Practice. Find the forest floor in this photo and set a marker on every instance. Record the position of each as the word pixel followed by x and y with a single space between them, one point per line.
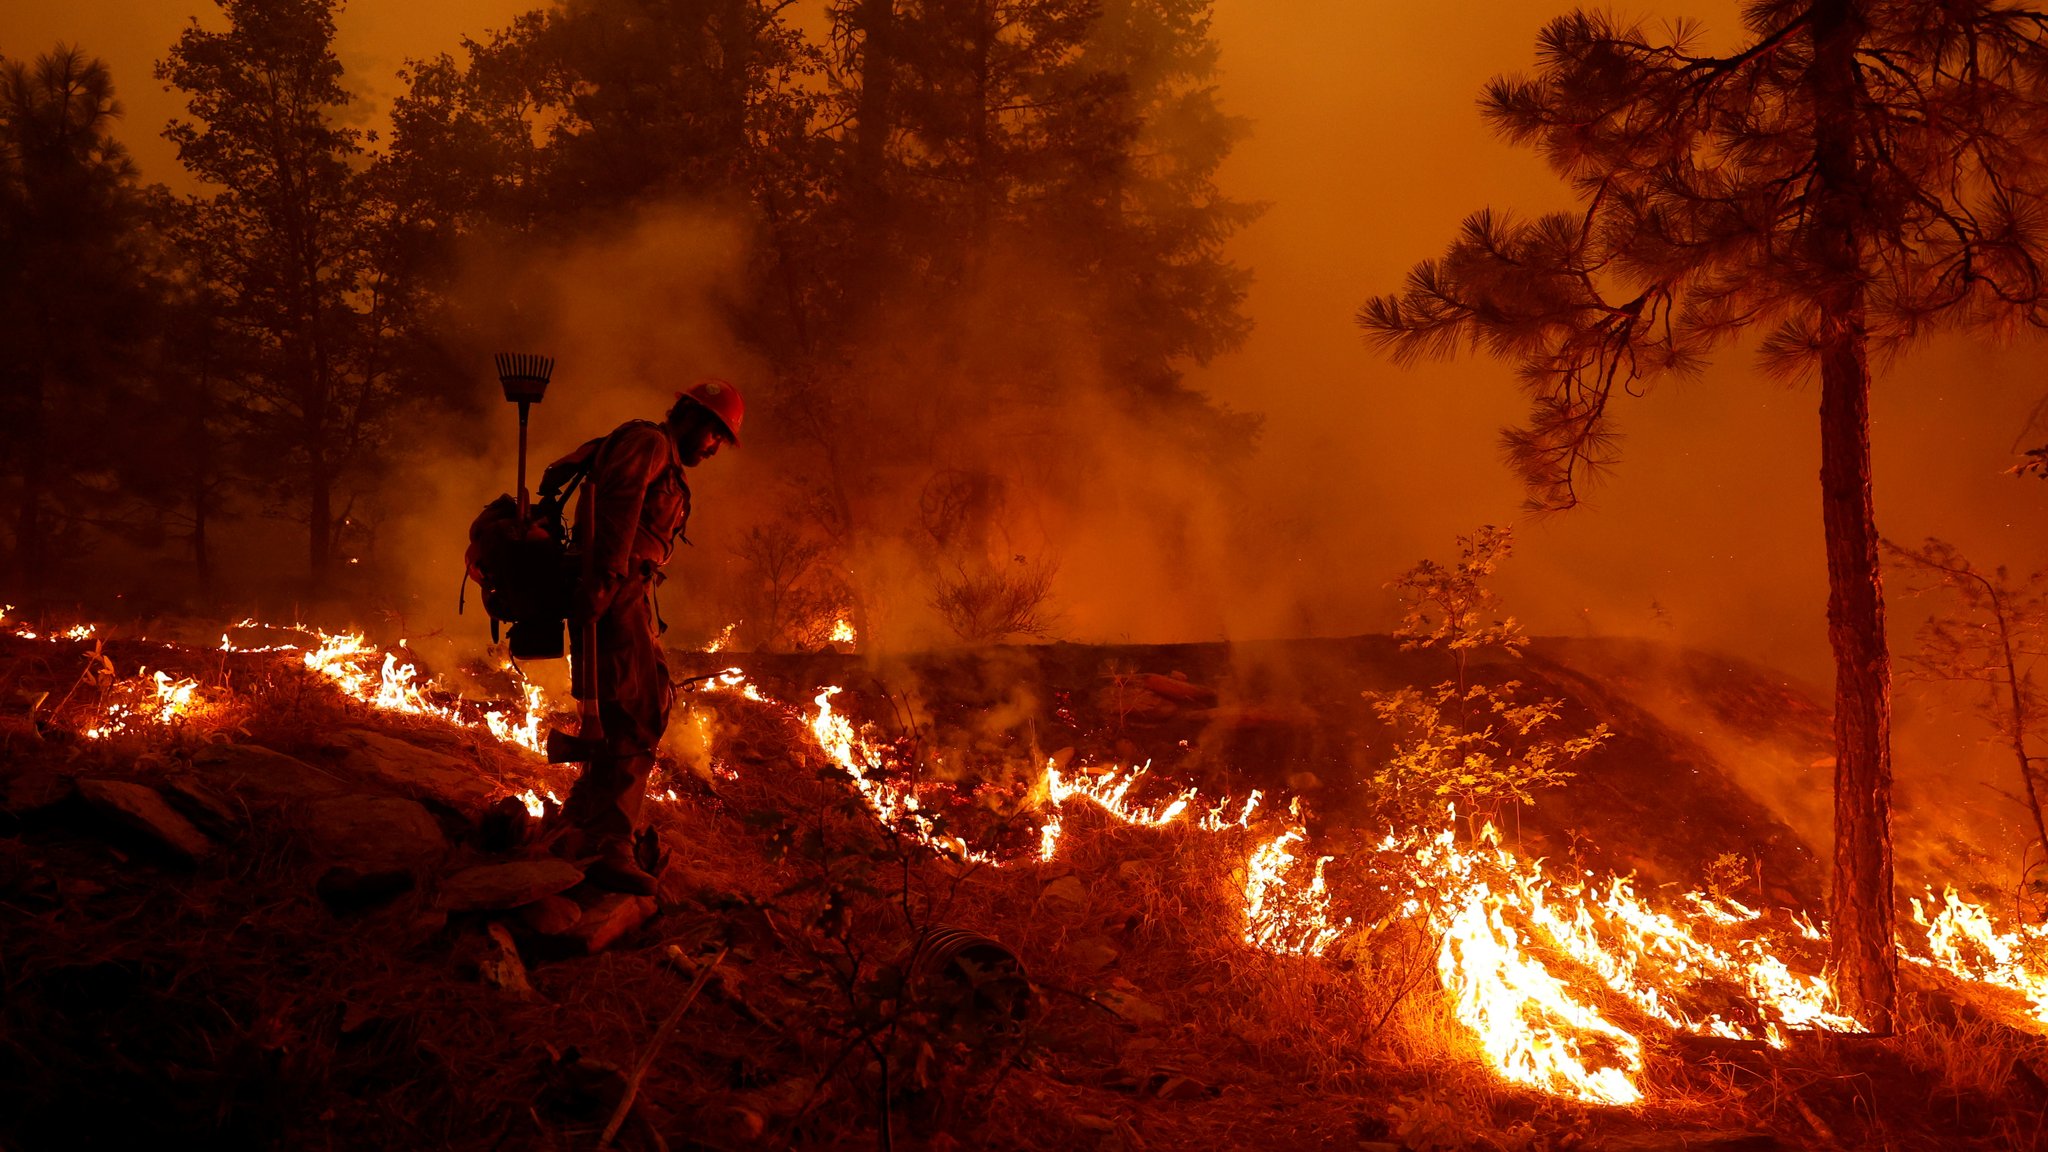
pixel 298 921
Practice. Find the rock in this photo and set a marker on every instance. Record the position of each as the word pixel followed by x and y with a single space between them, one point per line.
pixel 1698 1140
pixel 201 804
pixel 681 884
pixel 510 885
pixel 498 965
pixel 1093 952
pixel 346 889
pixel 260 774
pixel 1177 688
pixel 420 773
pixel 1133 703
pixel 371 833
pixel 1065 897
pixel 612 916
pixel 142 809
pixel 506 826
pixel 24 793
pixel 1129 1006
pixel 551 915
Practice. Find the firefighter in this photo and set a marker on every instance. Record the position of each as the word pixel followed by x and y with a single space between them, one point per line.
pixel 635 505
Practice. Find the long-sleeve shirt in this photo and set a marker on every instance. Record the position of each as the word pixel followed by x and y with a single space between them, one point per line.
pixel 635 506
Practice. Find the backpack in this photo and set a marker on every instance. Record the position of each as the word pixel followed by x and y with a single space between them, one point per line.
pixel 526 573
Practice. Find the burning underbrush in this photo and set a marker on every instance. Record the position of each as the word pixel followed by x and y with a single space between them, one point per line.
pixel 903 935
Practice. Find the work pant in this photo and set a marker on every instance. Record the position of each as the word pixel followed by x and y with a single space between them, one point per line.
pixel 633 695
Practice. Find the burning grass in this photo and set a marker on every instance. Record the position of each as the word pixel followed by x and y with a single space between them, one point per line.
pixel 1205 976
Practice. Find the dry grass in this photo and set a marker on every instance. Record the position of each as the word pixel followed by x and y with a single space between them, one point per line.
pixel 228 1004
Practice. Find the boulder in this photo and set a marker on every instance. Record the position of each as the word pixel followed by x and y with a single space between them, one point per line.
pixel 141 808
pixel 420 773
pixel 260 775
pixel 510 885
pixel 371 834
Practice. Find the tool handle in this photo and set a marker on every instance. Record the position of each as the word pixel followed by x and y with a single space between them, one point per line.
pixel 592 727
pixel 524 406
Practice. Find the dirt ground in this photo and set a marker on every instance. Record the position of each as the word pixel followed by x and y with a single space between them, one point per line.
pixel 317 975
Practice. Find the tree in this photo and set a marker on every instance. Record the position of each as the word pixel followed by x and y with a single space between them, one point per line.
pixel 1858 174
pixel 177 447
pixel 292 235
pixel 75 299
pixel 1473 745
pixel 1992 636
pixel 967 214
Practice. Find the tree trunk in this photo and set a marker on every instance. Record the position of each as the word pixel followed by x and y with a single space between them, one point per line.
pixel 1864 956
pixel 1864 959
pixel 877 22
pixel 31 537
pixel 320 525
pixel 202 555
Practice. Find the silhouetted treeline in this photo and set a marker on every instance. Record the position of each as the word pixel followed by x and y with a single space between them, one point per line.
pixel 952 207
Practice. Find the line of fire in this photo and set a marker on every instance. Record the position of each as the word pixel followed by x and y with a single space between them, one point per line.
pixel 1023 575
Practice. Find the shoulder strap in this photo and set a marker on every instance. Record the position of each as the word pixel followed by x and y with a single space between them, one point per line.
pixel 560 478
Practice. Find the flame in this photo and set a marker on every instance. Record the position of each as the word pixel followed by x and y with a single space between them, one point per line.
pixel 1522 956
pixel 723 640
pixel 1281 915
pixel 896 807
pixel 1962 941
pixel 388 682
pixel 148 698
pixel 1531 1027
pixel 536 806
pixel 842 632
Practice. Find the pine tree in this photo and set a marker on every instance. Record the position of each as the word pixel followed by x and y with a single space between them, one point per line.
pixel 1858 174
pixel 75 301
pixel 292 233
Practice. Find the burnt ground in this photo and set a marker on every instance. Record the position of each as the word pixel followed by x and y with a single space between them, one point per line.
pixel 363 950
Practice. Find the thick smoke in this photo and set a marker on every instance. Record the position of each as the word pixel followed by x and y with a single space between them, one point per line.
pixel 1368 148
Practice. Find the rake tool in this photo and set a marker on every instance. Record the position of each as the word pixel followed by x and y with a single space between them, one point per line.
pixel 524 376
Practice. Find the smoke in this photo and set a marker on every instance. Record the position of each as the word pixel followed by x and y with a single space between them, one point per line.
pixel 1366 145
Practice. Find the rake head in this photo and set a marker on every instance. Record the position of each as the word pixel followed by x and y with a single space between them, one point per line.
pixel 524 375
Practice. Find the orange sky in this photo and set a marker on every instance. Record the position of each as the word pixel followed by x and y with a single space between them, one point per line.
pixel 1367 144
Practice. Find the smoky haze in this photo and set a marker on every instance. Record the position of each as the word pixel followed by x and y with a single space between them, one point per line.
pixel 1368 149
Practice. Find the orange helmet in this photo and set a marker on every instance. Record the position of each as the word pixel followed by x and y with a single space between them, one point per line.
pixel 723 401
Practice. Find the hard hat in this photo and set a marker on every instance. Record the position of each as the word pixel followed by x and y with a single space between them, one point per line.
pixel 724 402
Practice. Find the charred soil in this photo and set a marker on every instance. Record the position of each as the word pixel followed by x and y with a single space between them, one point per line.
pixel 326 967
